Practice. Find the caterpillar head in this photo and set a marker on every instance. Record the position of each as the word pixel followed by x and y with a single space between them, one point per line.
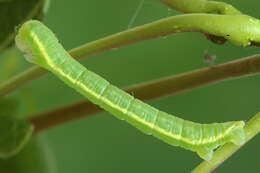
pixel 34 39
pixel 22 42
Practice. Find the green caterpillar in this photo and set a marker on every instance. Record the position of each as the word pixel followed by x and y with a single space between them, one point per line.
pixel 42 48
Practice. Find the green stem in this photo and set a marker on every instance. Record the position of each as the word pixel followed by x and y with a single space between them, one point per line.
pixel 20 79
pixel 252 128
pixel 153 90
pixel 201 6
pixel 219 25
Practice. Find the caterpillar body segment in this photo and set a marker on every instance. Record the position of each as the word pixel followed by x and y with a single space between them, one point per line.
pixel 43 49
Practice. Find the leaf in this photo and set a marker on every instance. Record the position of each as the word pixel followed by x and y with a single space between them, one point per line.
pixel 14 132
pixel 15 12
pixel 34 158
pixel 8 107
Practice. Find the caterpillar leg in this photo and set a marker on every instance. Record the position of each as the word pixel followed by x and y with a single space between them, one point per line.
pixel 205 153
pixel 238 137
pixel 237 133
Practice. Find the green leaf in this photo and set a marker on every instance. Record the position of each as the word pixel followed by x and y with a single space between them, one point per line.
pixel 34 158
pixel 8 107
pixel 14 132
pixel 15 12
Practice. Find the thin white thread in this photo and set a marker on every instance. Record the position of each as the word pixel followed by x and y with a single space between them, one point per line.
pixel 137 11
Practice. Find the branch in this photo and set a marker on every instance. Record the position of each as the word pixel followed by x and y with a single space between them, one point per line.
pixel 219 25
pixel 201 6
pixel 153 90
pixel 252 128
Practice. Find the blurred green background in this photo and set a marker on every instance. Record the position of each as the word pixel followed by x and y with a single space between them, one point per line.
pixel 102 143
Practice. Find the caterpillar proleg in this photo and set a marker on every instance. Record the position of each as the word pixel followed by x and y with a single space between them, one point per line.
pixel 42 48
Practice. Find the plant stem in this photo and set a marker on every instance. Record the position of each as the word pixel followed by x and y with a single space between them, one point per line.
pixel 201 6
pixel 20 79
pixel 252 128
pixel 222 26
pixel 153 90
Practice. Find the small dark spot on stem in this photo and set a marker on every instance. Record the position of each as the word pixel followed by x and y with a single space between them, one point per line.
pixel 209 59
